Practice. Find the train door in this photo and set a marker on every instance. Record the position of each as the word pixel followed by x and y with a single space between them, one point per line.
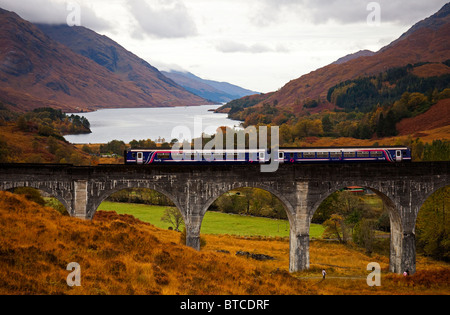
pixel 398 155
pixel 280 157
pixel 140 158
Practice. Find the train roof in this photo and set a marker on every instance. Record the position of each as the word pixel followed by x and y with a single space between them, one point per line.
pixel 281 148
pixel 194 150
pixel 344 147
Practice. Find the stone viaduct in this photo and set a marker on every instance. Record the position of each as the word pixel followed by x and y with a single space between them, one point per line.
pixel 403 187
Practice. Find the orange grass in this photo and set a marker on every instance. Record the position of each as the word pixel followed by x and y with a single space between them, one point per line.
pixel 119 254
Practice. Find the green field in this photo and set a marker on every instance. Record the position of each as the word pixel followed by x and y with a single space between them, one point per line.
pixel 214 222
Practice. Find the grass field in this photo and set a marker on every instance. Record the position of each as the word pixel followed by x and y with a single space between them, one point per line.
pixel 214 222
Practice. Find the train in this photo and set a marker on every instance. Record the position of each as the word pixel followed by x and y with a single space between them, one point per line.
pixel 395 154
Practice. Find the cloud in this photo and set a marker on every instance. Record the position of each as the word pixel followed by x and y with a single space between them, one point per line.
pixel 230 46
pixel 343 11
pixel 55 12
pixel 166 19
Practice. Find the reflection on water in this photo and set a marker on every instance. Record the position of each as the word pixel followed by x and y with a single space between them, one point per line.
pixel 128 124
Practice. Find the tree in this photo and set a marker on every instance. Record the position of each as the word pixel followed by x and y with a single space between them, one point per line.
pixel 307 127
pixel 285 134
pixel 438 150
pixel 364 234
pixel 230 203
pixel 432 227
pixel 380 126
pixel 115 147
pixel 327 124
pixel 22 123
pixel 173 217
pixel 334 226
pixel 341 212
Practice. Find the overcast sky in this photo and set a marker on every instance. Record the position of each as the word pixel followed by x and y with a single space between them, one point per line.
pixel 257 44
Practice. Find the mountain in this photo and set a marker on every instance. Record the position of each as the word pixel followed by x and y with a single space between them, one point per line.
pixel 219 92
pixel 123 63
pixel 361 53
pixel 427 41
pixel 37 71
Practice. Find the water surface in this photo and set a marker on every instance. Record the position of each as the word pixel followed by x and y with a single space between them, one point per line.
pixel 128 124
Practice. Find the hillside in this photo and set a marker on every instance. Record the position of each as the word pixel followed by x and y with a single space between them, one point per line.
pixel 17 146
pixel 120 255
pixel 361 53
pixel 36 71
pixel 436 117
pixel 427 41
pixel 219 92
pixel 126 65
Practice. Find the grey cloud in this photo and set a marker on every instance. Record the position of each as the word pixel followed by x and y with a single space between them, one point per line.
pixel 170 20
pixel 53 12
pixel 345 11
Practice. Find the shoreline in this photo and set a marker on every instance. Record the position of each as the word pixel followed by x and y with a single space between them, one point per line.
pixel 138 107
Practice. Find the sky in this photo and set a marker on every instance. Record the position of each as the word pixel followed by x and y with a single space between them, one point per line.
pixel 257 44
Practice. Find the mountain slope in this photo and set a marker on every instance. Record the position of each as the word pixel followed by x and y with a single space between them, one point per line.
pixel 361 53
pixel 36 71
pixel 219 92
pixel 425 41
pixel 129 67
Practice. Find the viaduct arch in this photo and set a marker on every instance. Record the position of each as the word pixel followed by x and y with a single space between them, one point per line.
pixel 403 187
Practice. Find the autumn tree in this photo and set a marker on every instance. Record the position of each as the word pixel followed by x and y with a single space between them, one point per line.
pixel 307 127
pixel 335 227
pixel 432 227
pixel 173 217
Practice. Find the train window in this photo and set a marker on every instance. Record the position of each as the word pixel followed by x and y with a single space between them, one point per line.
pixel 376 154
pixel 349 154
pixel 280 155
pixel 292 156
pixel 322 155
pixel 362 154
pixel 178 156
pixel 133 155
pixel 309 155
pixel 335 154
pixel 164 156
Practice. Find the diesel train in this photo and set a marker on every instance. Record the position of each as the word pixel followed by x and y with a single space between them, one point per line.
pixel 285 155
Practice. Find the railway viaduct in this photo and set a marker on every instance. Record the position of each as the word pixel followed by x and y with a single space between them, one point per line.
pixel 403 187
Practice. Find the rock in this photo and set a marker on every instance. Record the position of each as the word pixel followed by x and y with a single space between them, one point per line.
pixel 260 257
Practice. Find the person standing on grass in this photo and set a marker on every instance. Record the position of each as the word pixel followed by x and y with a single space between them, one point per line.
pixel 324 273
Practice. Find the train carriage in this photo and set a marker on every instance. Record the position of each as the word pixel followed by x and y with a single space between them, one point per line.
pixel 344 154
pixel 156 156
